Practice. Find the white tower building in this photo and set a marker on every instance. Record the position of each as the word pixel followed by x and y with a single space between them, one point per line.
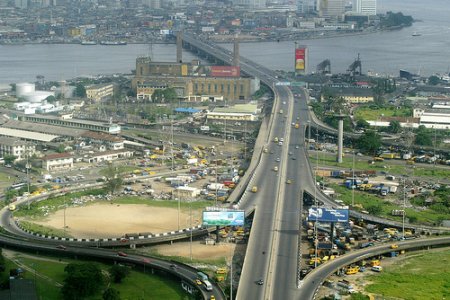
pixel 366 7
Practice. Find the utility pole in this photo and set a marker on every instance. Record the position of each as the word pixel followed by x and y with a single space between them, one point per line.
pixel 190 214
pixel 316 203
pixel 404 207
pixel 65 206
pixel 171 146
pixel 28 177
pixel 353 179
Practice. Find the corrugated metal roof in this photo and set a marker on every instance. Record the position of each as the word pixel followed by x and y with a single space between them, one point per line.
pixel 27 135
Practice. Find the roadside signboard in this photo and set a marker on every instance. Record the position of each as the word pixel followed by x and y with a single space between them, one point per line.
pixel 328 215
pixel 223 218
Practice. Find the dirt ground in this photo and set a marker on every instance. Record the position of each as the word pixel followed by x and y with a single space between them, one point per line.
pixel 200 251
pixel 106 220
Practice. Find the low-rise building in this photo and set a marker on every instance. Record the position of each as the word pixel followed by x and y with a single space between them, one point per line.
pixel 19 148
pixel 111 142
pixel 186 192
pixel 437 118
pixel 109 156
pixel 354 95
pixel 57 161
pixel 99 92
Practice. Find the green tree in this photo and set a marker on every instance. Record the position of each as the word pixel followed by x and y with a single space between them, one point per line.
pixel 375 209
pixel 118 273
pixel 51 99
pixel 113 179
pixel 433 80
pixel 158 96
pixel 9 159
pixel 423 136
pixel 80 91
pixel 9 195
pixel 61 148
pixel 170 95
pixel 362 124
pixel 369 142
pixel 81 280
pixel 111 294
pixel 394 127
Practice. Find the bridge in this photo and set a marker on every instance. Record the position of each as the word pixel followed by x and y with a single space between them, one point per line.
pixel 273 251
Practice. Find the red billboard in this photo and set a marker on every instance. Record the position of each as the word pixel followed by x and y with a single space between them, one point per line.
pixel 300 58
pixel 225 71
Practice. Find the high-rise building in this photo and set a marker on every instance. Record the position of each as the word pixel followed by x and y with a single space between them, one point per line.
pixel 21 3
pixel 366 7
pixel 331 8
pixel 251 3
pixel 155 4
pixel 305 6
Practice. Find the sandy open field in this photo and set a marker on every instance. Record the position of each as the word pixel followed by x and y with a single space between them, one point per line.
pixel 200 251
pixel 113 220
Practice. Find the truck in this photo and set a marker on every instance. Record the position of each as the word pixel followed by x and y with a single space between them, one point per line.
pixel 341 245
pixel 208 285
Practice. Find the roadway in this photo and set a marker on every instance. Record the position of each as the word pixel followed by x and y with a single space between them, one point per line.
pixel 272 252
pixel 273 248
pixel 314 280
pixel 182 271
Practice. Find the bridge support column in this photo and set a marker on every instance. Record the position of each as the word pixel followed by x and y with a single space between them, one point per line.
pixel 340 139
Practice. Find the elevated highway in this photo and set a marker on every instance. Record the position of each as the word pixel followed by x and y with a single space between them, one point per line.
pixel 272 253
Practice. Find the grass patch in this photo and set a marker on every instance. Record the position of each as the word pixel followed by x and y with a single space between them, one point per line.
pixel 37 228
pixel 367 113
pixel 396 169
pixel 428 217
pixel 219 262
pixel 6 179
pixel 162 203
pixel 40 209
pixel 137 285
pixel 421 276
pixel 118 170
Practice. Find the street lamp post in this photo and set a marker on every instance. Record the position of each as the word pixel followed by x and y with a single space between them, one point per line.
pixel 316 203
pixel 353 179
pixel 404 207
pixel 190 215
pixel 27 166
pixel 65 206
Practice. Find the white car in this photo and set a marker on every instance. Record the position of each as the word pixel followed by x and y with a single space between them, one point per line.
pixel 278 159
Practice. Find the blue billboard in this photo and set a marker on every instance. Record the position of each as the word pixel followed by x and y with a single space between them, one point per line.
pixel 328 215
pixel 223 218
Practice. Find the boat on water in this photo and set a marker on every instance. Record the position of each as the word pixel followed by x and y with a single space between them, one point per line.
pixel 113 43
pixel 88 43
pixel 416 34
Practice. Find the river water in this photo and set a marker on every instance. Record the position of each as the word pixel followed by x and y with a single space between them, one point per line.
pixel 382 52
